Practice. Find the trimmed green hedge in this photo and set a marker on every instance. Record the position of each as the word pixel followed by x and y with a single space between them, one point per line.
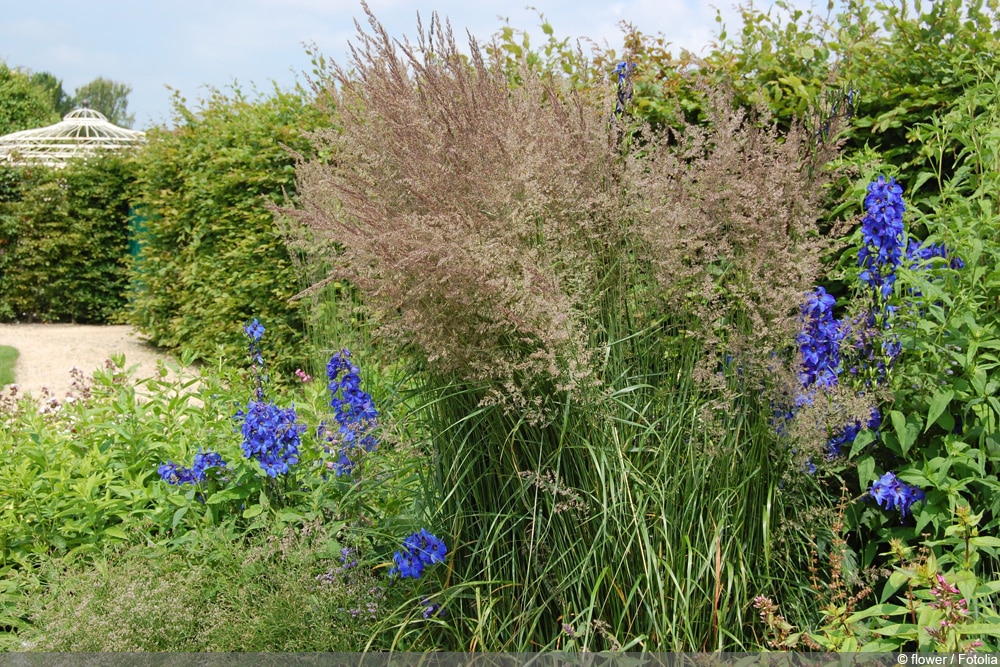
pixel 211 255
pixel 64 237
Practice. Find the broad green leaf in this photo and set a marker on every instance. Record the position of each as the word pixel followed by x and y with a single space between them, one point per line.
pixel 877 610
pixel 938 405
pixel 985 541
pixel 991 629
pixel 116 532
pixel 252 511
pixel 866 471
pixel 862 441
pixel 898 420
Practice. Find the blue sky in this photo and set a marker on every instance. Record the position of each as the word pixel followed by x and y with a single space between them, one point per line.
pixel 188 44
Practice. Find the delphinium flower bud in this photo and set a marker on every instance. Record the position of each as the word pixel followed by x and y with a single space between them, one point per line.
pixel 254 331
pixel 624 71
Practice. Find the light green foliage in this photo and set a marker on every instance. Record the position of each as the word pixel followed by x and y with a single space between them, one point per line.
pixel 64 234
pixel 79 474
pixel 941 408
pixel 211 253
pixel 946 392
pixel 905 64
pixel 242 561
pixel 23 103
pixel 928 602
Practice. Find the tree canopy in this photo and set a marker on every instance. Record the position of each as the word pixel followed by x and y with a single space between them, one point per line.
pixel 34 99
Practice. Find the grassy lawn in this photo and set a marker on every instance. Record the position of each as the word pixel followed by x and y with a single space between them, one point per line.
pixel 8 357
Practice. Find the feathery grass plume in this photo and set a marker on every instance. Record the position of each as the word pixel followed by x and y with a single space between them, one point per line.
pixel 475 218
pixel 730 224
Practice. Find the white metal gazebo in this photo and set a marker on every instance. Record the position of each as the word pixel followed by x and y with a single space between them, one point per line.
pixel 81 132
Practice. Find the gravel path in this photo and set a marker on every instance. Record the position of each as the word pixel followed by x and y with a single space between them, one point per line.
pixel 49 351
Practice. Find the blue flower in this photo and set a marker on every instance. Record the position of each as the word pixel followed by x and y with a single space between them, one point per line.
pixel 819 341
pixel 850 432
pixel 353 409
pixel 624 69
pixel 407 565
pixel 890 493
pixel 419 551
pixel 882 236
pixel 205 460
pixel 431 608
pixel 175 474
pixel 430 548
pixel 272 436
pixel 171 473
pixel 920 256
pixel 254 330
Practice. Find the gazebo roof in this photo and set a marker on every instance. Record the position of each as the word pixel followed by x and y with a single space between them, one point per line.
pixel 80 132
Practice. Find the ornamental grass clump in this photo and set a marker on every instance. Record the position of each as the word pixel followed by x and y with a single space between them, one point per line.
pixel 564 286
pixel 727 213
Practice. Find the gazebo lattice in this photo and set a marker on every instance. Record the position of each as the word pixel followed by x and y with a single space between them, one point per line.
pixel 81 132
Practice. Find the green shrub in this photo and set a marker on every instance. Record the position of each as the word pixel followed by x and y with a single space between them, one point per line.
pixel 904 63
pixel 64 236
pixel 79 474
pixel 211 255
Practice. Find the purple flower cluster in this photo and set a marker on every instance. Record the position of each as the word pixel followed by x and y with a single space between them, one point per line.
pixel 271 435
pixel 920 256
pixel 175 474
pixel 890 493
pixel 354 411
pixel 837 443
pixel 819 341
pixel 419 551
pixel 882 236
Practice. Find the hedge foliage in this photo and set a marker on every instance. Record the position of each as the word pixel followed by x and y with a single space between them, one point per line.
pixel 23 104
pixel 64 241
pixel 211 253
